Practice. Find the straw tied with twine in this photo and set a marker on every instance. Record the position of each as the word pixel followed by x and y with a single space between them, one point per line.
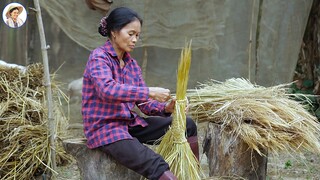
pixel 264 118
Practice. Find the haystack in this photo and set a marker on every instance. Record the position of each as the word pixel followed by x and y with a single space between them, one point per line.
pixel 24 142
pixel 267 118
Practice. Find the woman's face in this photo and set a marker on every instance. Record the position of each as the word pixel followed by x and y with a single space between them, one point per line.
pixel 126 39
pixel 14 14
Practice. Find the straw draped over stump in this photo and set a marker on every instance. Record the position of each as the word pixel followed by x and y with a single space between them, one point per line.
pixel 265 118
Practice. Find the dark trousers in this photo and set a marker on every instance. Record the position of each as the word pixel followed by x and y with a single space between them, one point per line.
pixel 134 155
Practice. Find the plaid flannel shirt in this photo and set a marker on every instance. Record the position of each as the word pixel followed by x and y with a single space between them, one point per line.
pixel 109 94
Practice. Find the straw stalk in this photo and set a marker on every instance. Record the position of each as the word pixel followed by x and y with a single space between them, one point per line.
pixel 174 147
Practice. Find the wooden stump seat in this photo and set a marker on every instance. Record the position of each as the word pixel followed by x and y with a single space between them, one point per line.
pixel 96 165
pixel 231 157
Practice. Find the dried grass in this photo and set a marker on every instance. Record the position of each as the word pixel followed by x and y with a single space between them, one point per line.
pixel 24 142
pixel 264 118
pixel 174 147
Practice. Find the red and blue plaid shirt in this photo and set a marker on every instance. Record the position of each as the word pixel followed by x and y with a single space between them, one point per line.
pixel 109 94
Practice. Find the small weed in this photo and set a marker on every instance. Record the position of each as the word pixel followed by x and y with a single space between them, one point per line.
pixel 288 164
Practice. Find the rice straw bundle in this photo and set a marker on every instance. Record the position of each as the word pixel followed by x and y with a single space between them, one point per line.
pixel 264 118
pixel 174 147
pixel 24 142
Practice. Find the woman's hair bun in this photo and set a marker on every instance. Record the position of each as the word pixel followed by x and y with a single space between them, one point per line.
pixel 103 27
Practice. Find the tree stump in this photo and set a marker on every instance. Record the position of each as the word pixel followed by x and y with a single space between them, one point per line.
pixel 95 164
pixel 231 157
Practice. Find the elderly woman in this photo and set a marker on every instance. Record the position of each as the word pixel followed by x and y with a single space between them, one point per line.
pixel 12 15
pixel 112 87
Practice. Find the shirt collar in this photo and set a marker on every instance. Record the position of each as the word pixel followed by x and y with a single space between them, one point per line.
pixel 110 50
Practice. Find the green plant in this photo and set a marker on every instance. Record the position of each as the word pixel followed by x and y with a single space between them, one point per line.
pixel 288 164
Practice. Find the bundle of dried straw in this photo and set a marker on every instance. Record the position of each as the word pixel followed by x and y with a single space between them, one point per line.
pixel 174 147
pixel 24 142
pixel 264 118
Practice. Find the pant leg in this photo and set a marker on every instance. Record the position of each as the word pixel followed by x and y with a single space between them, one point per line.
pixel 137 157
pixel 157 127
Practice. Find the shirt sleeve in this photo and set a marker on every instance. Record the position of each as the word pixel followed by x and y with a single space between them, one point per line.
pixel 107 88
pixel 153 108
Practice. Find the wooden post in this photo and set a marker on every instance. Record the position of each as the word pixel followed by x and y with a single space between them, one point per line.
pixel 230 157
pixel 94 164
pixel 47 84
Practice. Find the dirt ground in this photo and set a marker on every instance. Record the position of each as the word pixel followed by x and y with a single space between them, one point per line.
pixel 286 167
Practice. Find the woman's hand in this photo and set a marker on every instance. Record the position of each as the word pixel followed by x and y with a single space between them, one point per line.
pixel 159 94
pixel 169 108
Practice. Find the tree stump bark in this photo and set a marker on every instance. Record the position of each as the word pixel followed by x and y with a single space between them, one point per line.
pixel 96 165
pixel 231 157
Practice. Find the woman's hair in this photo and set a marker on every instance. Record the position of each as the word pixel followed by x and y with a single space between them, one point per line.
pixel 117 19
pixel 15 8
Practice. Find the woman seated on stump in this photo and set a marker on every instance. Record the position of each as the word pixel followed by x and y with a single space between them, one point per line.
pixel 112 86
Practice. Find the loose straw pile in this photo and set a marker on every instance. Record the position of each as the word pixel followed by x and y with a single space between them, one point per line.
pixel 174 147
pixel 264 118
pixel 24 142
